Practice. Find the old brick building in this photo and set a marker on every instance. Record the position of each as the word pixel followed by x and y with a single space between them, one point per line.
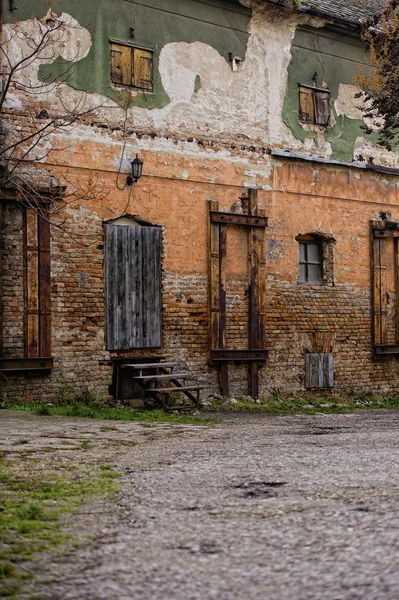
pixel 261 238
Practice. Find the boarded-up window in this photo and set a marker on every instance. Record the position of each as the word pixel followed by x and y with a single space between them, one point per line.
pixel 131 66
pixel 385 277
pixel 319 370
pixel 133 286
pixel 37 287
pixel 314 105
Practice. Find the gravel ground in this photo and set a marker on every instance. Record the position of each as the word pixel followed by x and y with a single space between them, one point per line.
pixel 253 507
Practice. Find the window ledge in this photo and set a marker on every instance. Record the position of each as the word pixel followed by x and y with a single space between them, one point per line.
pixel 387 349
pixel 26 364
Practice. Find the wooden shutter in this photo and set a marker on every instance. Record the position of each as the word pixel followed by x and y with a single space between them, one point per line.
pixel 37 285
pixel 44 287
pixel 306 107
pixel 321 107
pixel 380 291
pixel 142 69
pixel 319 370
pixel 121 64
pixel 133 287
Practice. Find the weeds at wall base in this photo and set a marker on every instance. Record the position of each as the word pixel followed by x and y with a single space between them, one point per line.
pixel 307 404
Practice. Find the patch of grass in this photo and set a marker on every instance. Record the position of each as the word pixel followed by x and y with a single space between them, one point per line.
pixel 35 497
pixel 279 404
pixel 107 413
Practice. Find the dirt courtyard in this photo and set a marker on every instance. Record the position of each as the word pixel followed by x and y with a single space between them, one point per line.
pixel 250 507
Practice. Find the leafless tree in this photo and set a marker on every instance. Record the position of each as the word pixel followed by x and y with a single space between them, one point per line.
pixel 36 113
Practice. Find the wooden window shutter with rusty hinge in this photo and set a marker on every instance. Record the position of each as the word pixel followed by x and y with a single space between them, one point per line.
pixel 121 64
pixel 142 69
pixel 306 105
pixel 321 107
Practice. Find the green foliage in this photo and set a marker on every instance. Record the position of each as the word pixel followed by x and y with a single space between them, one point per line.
pixel 277 403
pixel 99 411
pixel 380 83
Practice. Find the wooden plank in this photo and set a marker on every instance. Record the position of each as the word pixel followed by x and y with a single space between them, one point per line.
pixel 161 376
pixel 44 334
pixel 222 286
pixel 213 277
pixel 377 291
pixel 31 228
pixel 1 281
pixel 122 257
pixel 396 254
pixel 44 287
pixel 387 348
pixel 33 335
pixel 237 219
pixel 259 355
pixel 26 364
pixel 137 288
pixel 262 298
pixel 386 233
pixel 384 290
pixel 312 371
pixel 154 365
pixel 151 287
pixel 128 242
pixel 224 380
pixel 32 279
pixel 111 273
pixel 330 370
pixel 185 388
pixel 224 370
pixel 253 307
pixel 157 286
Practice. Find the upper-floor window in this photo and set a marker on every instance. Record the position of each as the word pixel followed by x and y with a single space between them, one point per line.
pixel 310 260
pixel 314 105
pixel 131 66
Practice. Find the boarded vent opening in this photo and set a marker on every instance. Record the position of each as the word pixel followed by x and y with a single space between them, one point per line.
pixel 319 370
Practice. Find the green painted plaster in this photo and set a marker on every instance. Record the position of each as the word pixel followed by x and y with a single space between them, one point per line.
pixel 197 83
pixel 334 57
pixel 221 24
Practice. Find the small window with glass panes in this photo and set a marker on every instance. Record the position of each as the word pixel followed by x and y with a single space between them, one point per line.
pixel 310 260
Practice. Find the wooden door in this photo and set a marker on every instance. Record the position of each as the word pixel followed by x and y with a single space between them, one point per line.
pixel 133 286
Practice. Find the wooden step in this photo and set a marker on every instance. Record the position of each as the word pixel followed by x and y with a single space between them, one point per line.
pixel 185 388
pixel 165 376
pixel 149 365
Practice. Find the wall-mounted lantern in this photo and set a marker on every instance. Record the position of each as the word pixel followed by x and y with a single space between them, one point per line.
pixel 137 171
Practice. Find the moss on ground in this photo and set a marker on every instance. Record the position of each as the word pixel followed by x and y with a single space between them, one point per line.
pixel 35 498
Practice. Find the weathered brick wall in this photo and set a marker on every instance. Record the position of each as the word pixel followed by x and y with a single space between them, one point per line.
pixel 173 193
